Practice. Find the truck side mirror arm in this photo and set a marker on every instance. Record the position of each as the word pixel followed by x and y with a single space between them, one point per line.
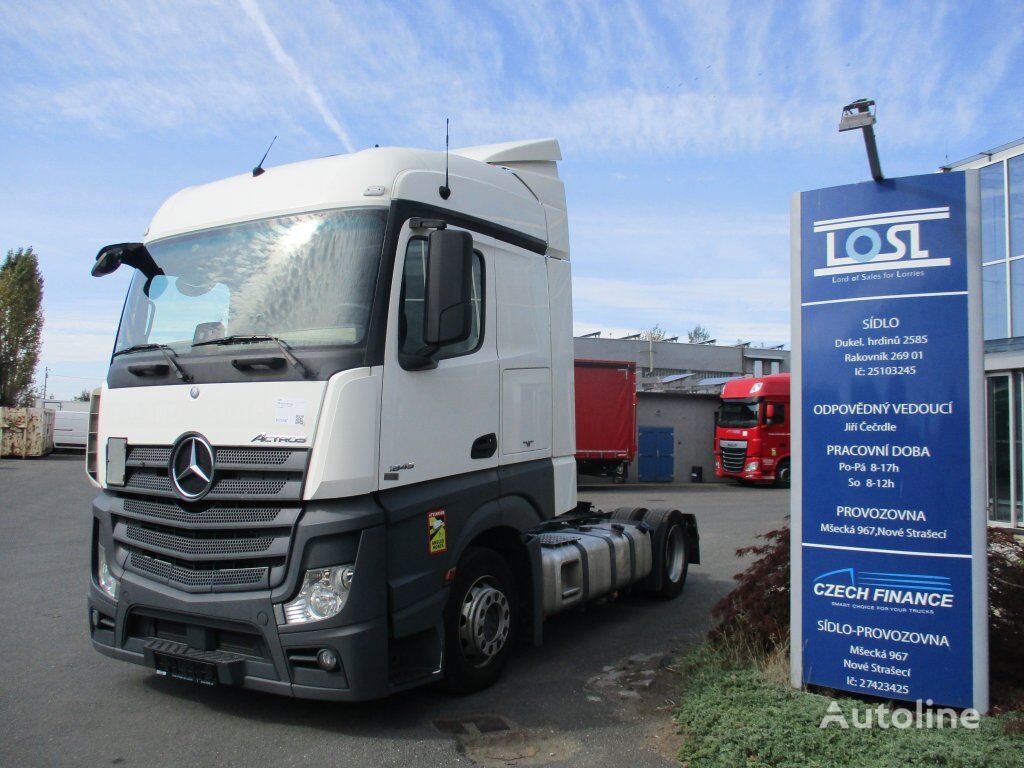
pixel 135 255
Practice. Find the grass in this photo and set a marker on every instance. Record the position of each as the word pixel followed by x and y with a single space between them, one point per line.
pixel 741 713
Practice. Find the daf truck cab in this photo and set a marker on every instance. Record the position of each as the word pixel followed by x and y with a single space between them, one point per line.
pixel 334 448
pixel 752 430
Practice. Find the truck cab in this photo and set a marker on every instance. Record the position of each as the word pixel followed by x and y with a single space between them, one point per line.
pixel 337 418
pixel 752 430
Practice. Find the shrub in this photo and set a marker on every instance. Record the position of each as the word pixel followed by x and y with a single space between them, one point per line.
pixel 755 614
pixel 1006 615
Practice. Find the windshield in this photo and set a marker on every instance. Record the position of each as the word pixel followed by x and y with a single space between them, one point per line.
pixel 738 413
pixel 307 279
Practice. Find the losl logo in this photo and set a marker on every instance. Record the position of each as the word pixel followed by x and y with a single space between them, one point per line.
pixel 855 243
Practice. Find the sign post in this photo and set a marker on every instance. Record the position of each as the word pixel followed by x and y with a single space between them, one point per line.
pixel 888 567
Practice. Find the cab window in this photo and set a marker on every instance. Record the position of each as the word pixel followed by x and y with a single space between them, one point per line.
pixel 414 276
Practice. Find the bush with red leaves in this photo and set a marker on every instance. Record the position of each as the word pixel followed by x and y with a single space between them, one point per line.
pixel 756 612
pixel 1006 614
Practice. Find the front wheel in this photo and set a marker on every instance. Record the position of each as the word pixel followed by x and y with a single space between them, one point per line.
pixel 782 474
pixel 480 621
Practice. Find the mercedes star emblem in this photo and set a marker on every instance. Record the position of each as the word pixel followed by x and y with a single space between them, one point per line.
pixel 191 467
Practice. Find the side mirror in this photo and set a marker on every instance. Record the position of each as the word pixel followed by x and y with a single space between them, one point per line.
pixel 448 310
pixel 107 260
pixel 769 413
pixel 134 255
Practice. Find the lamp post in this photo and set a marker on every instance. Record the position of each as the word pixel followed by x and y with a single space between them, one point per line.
pixel 860 114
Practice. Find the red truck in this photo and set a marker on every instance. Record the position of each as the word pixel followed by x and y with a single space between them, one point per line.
pixel 605 417
pixel 752 431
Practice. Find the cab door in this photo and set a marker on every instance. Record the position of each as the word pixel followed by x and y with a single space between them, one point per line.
pixel 775 436
pixel 440 422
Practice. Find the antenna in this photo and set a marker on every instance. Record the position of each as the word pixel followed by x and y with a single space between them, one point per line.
pixel 444 190
pixel 258 170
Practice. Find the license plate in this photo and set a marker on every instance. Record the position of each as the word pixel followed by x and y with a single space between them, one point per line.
pixel 180 668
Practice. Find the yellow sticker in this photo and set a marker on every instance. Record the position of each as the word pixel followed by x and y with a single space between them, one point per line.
pixel 437 532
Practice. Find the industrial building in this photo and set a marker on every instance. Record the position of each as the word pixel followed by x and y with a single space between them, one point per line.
pixel 678 386
pixel 1002 249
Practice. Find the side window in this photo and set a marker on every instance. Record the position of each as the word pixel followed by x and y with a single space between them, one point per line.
pixel 410 323
pixel 780 414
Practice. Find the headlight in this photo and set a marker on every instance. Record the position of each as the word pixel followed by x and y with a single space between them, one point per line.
pixel 752 466
pixel 104 577
pixel 323 595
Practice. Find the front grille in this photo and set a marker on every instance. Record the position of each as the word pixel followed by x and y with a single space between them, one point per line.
pixel 197 545
pixel 237 537
pixel 149 454
pixel 220 514
pixel 199 580
pixel 734 454
pixel 252 456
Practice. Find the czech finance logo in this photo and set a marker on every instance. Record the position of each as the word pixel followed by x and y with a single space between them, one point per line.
pixel 860 246
pixel 191 467
pixel 885 588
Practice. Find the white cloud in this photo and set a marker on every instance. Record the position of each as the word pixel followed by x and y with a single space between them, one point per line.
pixel 301 79
pixel 730 307
pixel 640 78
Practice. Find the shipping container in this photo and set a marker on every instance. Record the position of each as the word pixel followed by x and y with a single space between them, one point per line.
pixel 25 432
pixel 605 417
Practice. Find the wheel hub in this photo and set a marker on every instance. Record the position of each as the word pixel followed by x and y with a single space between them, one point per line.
pixel 484 621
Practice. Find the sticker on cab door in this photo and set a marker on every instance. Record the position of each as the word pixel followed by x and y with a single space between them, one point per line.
pixel 437 532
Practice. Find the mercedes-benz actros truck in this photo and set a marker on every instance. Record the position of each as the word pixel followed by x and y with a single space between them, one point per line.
pixel 334 448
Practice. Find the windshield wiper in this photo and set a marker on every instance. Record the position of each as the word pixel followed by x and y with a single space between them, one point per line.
pixel 169 353
pixel 240 338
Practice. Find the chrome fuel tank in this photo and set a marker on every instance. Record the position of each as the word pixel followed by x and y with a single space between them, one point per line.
pixel 583 563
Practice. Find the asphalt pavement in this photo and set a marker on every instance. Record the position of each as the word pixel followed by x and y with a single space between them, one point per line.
pixel 598 693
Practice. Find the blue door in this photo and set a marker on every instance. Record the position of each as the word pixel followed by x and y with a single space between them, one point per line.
pixel 655 446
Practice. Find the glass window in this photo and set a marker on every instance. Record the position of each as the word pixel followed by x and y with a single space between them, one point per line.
pixel 1017 296
pixel 738 413
pixel 1016 174
pixel 993 213
pixel 414 278
pixel 993 292
pixel 307 278
pixel 999 449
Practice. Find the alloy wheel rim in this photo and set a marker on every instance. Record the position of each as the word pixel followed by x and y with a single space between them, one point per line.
pixel 485 618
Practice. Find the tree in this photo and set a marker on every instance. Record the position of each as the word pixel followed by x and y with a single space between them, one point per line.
pixel 699 334
pixel 84 396
pixel 21 325
pixel 657 333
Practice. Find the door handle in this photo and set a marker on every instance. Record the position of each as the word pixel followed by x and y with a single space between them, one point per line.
pixel 484 447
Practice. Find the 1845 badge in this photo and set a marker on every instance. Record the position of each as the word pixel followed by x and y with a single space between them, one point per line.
pixel 437 532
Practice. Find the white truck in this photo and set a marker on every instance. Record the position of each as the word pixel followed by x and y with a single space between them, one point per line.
pixel 334 449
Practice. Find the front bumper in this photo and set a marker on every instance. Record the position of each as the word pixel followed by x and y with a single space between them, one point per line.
pixel 240 631
pixel 243 630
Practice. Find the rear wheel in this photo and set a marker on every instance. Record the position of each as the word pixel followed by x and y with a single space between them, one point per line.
pixel 669 549
pixel 782 474
pixel 480 621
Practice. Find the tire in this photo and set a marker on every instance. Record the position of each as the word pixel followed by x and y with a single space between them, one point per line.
pixel 670 559
pixel 481 621
pixel 782 474
pixel 636 514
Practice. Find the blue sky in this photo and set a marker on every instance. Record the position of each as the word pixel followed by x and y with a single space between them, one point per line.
pixel 685 126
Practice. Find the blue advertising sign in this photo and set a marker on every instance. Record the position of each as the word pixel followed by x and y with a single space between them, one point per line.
pixel 888 510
